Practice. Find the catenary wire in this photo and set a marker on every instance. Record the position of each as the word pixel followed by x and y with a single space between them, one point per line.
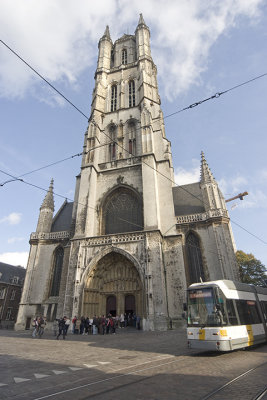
pixel 54 163
pixel 93 208
pixel 216 95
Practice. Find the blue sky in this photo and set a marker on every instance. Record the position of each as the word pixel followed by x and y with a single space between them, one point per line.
pixel 199 47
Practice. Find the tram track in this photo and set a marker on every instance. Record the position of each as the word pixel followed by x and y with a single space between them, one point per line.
pixel 259 396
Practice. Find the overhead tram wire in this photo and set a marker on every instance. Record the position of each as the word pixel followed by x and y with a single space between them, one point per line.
pixel 216 95
pixel 85 205
pixel 54 163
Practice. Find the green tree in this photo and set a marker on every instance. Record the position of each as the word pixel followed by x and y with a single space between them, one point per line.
pixel 251 270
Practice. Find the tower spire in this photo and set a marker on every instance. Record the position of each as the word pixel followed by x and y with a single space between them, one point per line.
pixel 141 20
pixel 49 198
pixel 46 211
pixel 106 33
pixel 206 174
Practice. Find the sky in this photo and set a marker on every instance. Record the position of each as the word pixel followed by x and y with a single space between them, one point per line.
pixel 200 48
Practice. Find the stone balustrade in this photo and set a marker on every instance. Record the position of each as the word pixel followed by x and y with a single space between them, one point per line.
pixel 51 235
pixel 114 239
pixel 186 219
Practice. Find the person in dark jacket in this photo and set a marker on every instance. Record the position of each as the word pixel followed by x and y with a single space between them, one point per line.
pixel 62 327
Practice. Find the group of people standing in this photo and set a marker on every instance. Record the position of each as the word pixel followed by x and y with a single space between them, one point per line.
pixel 85 325
pixel 104 324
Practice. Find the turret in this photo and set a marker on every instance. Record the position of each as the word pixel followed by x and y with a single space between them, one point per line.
pixel 46 211
pixel 142 35
pixel 213 198
pixel 105 49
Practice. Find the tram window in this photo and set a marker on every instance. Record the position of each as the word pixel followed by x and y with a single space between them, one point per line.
pixel 264 309
pixel 248 312
pixel 231 312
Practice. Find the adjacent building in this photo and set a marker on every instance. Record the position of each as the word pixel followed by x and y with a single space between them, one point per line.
pixel 11 283
pixel 132 240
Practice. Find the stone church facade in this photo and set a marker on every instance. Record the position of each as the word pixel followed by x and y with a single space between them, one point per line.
pixel 132 241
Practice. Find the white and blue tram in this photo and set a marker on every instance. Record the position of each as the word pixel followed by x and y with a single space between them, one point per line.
pixel 225 315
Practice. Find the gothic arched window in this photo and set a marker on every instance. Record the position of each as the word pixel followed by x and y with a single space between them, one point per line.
pixel 194 259
pixel 113 98
pixel 122 212
pixel 112 146
pixel 57 270
pixel 124 56
pixel 131 94
pixel 132 139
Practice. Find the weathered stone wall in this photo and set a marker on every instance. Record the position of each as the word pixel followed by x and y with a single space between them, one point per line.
pixel 175 278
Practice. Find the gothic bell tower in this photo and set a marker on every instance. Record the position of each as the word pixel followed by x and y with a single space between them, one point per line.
pixel 124 201
pixel 125 144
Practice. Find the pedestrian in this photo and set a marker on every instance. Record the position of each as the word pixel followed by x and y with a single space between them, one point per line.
pixel 35 326
pixel 103 324
pixel 77 326
pixel 87 324
pixel 67 324
pixel 138 322
pixel 82 326
pixel 62 327
pixel 111 325
pixel 55 327
pixel 90 325
pixel 95 325
pixel 41 325
pixel 74 319
pixel 122 320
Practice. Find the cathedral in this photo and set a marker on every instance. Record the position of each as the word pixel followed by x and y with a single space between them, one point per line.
pixel 132 241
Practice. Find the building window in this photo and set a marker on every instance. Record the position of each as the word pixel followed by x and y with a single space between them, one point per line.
pixel 2 293
pixel 112 145
pixel 132 141
pixel 15 279
pixel 131 94
pixel 13 294
pixel 123 212
pixel 8 313
pixel 194 259
pixel 124 56
pixel 112 58
pixel 58 263
pixel 113 98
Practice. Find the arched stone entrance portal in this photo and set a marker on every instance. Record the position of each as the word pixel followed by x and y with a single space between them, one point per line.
pixel 112 285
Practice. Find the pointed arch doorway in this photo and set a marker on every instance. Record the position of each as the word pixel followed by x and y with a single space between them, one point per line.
pixel 113 286
pixel 111 306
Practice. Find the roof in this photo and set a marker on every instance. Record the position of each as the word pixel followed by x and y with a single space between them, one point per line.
pixel 188 199
pixel 8 272
pixel 62 220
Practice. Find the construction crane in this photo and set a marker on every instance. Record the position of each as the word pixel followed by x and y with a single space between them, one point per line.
pixel 239 196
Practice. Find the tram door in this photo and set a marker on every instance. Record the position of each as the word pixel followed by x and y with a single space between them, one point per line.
pixel 111 306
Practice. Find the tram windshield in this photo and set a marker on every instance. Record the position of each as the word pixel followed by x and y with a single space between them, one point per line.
pixel 205 308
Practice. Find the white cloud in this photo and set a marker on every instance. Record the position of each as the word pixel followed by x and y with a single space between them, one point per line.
pixel 60 38
pixel 12 219
pixel 15 239
pixel 183 176
pixel 15 258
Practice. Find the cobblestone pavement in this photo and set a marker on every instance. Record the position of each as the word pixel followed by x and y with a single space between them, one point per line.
pixel 129 365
